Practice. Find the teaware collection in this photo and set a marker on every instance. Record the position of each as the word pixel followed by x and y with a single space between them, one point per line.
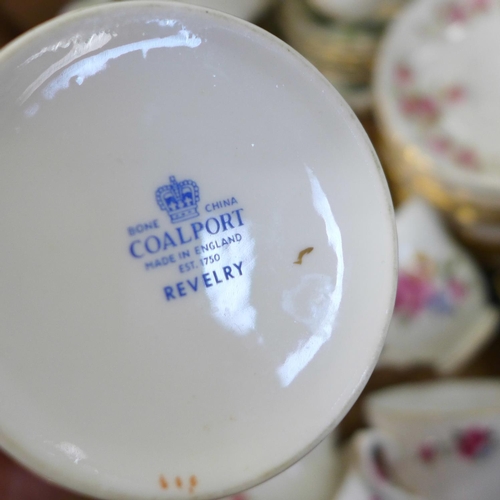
pixel 183 251
pixel 200 264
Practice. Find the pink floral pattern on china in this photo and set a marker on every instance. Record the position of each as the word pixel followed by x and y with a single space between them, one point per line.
pixel 472 443
pixel 426 108
pixel 429 286
pixel 462 11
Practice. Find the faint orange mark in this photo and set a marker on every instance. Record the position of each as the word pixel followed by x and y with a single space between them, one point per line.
pixel 193 482
pixel 163 482
pixel 178 482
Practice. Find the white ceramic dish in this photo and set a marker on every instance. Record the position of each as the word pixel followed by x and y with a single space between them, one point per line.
pixel 192 219
pixel 437 92
pixel 442 315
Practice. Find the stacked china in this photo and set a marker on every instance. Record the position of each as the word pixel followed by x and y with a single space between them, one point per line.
pixel 437 98
pixel 341 39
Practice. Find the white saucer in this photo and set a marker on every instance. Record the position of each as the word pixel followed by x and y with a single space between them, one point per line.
pixel 198 253
pixel 437 92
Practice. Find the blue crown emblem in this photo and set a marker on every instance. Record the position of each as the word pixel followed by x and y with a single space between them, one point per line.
pixel 179 199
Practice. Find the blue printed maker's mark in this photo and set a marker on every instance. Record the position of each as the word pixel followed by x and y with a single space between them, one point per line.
pixel 179 199
pixel 194 249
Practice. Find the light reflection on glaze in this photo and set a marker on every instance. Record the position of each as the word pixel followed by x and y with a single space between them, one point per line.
pixel 90 66
pixel 80 48
pixel 230 304
pixel 164 22
pixel 73 452
pixel 315 301
pixel 77 42
pixel 309 303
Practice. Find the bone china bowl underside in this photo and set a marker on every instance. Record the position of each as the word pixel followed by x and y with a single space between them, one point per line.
pixel 197 248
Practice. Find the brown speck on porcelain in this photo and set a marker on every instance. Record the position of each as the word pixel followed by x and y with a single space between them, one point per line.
pixel 306 251
pixel 178 482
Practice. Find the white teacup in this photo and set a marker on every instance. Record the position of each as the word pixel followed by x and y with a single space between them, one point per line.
pixel 442 316
pixel 440 440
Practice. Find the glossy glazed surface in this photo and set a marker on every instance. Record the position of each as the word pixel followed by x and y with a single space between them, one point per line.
pixel 192 221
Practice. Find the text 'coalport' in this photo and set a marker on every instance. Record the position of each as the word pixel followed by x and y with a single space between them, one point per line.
pixel 155 243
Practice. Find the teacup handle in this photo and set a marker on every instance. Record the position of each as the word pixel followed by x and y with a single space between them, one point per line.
pixel 371 446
